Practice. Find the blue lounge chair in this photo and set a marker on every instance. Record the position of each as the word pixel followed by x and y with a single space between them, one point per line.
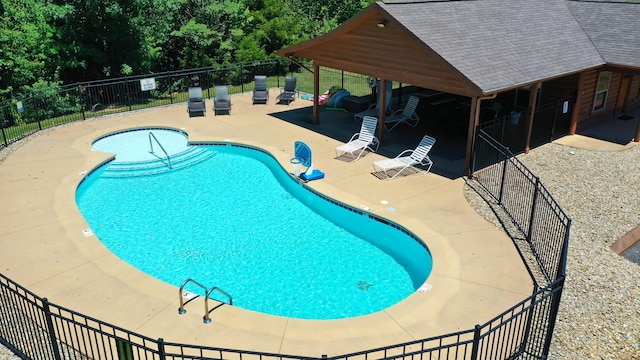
pixel 288 94
pixel 260 90
pixel 222 100
pixel 196 104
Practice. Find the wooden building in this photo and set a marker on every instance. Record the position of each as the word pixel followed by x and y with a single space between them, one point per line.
pixel 562 64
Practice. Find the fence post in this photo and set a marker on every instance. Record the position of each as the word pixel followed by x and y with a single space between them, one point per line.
pixel 126 92
pixel 81 96
pixel 51 329
pixel 504 175
pixel 208 82
pixel 170 86
pixel 4 135
pixel 533 211
pixel 474 151
pixel 476 342
pixel 562 265
pixel 529 325
pixel 35 106
pixel 161 352
pixel 242 78
pixel 553 315
pixel 278 70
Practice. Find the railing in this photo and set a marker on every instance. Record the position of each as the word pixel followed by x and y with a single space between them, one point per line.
pixel 521 331
pixel 24 115
pixel 36 329
pixel 206 319
pixel 510 131
pixel 530 206
pixel 44 108
pixel 153 137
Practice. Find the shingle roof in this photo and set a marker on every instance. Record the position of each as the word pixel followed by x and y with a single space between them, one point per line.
pixel 613 27
pixel 494 45
pixel 499 44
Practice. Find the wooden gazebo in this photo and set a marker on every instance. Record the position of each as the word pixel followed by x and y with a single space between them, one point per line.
pixel 475 49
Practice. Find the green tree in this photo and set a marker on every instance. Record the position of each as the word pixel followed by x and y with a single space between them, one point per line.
pixel 274 24
pixel 196 32
pixel 155 23
pixel 80 40
pixel 322 16
pixel 25 44
pixel 96 39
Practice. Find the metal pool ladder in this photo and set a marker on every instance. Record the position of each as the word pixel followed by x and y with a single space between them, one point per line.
pixel 206 319
pixel 151 136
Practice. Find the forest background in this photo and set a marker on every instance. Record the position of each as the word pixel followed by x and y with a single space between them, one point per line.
pixel 44 43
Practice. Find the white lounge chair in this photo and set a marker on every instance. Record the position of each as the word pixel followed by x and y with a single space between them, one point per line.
pixel 406 116
pixel 361 141
pixel 407 159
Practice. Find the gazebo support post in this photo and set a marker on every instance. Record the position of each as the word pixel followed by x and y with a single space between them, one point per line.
pixel 382 98
pixel 577 104
pixel 474 120
pixel 316 94
pixel 471 133
pixel 533 100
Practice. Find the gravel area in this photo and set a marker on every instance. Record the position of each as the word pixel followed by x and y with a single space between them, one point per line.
pixel 5 354
pixel 600 310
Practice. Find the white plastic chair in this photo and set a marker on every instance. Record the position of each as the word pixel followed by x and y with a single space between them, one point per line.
pixel 408 159
pixel 361 141
pixel 406 116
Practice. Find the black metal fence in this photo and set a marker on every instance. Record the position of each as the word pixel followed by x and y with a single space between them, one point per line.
pixel 44 108
pixel 521 194
pixel 24 115
pixel 33 328
pixel 510 131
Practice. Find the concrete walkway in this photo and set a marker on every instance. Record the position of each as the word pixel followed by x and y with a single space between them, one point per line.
pixel 477 272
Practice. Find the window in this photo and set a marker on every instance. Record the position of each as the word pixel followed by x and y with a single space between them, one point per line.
pixel 604 78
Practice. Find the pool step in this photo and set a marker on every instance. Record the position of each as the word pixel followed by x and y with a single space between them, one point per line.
pixel 191 156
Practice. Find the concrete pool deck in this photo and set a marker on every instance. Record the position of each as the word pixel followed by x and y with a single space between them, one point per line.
pixel 477 271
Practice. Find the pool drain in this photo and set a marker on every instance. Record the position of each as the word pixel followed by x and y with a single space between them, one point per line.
pixel 363 285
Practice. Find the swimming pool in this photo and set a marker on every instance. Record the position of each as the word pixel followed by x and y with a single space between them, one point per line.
pixel 237 220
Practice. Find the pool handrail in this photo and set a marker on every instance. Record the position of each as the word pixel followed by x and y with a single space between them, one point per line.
pixel 151 135
pixel 181 309
pixel 206 319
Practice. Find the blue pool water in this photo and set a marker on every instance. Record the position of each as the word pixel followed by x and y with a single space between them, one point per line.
pixel 138 145
pixel 239 221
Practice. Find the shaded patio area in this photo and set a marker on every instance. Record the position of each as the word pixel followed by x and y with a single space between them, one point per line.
pixel 448 154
